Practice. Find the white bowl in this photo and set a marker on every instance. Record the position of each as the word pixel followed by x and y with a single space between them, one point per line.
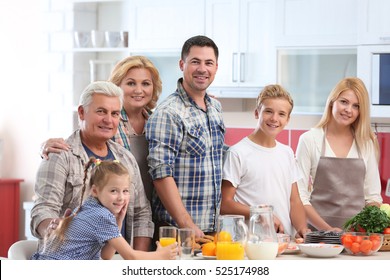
pixel 321 250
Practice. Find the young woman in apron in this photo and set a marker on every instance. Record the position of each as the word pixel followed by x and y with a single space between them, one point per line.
pixel 339 159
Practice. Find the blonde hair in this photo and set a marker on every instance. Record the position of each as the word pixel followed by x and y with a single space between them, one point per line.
pixel 100 174
pixel 138 62
pixel 274 91
pixel 361 126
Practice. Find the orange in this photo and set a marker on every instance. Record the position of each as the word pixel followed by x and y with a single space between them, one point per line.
pixel 224 236
pixel 208 249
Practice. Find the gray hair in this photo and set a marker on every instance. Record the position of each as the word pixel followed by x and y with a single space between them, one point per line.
pixel 100 87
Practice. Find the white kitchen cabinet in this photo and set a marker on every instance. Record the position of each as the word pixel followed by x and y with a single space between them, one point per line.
pixel 316 22
pixel 374 22
pixel 163 26
pixel 243 31
pixel 91 63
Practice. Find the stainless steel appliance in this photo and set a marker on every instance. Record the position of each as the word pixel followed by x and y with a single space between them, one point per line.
pixel 381 79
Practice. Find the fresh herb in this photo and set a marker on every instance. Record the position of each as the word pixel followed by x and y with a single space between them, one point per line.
pixel 370 219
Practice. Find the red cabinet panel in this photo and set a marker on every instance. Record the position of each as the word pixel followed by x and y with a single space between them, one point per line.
pixel 283 137
pixel 295 134
pixel 234 135
pixel 9 213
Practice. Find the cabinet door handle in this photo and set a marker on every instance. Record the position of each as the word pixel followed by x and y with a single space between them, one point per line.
pixel 385 38
pixel 234 67
pixel 242 67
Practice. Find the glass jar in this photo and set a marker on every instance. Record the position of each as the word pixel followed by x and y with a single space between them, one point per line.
pixel 262 241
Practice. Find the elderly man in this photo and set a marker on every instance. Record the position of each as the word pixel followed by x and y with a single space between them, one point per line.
pixel 60 178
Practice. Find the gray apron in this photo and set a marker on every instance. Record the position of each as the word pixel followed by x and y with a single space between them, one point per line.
pixel 140 150
pixel 338 189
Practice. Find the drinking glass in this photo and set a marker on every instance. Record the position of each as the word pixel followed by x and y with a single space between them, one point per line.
pixel 167 235
pixel 186 240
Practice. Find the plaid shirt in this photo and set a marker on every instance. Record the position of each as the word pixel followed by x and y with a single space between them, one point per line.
pixel 186 143
pixel 60 179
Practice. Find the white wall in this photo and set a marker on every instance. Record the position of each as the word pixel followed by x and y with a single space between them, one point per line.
pixel 23 117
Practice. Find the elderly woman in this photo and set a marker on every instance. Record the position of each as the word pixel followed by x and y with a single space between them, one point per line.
pixel 60 178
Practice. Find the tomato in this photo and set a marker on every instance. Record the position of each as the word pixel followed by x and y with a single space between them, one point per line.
pixel 376 244
pixel 355 247
pixel 365 246
pixel 386 230
pixel 375 237
pixel 357 239
pixel 360 229
pixel 347 241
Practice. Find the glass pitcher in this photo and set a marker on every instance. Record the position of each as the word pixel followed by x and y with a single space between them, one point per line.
pixel 231 237
pixel 262 241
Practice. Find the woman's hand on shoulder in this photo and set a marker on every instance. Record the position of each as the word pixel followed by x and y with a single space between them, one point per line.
pixel 53 145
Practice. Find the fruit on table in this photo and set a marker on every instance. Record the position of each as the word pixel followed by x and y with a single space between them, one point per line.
pixel 386 230
pixel 361 243
pixel 208 249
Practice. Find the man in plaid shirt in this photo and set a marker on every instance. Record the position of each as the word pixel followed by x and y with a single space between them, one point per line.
pixel 186 140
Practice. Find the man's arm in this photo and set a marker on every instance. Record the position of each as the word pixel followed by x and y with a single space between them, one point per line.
pixel 168 193
pixel 49 191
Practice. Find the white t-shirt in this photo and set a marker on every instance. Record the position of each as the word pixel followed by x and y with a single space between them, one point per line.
pixel 263 176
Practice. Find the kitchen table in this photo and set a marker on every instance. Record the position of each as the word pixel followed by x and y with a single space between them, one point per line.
pixel 381 255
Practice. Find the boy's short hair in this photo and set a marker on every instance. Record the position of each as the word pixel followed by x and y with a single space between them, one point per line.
pixel 274 91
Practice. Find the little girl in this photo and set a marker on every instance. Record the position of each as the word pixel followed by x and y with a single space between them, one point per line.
pixel 94 230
